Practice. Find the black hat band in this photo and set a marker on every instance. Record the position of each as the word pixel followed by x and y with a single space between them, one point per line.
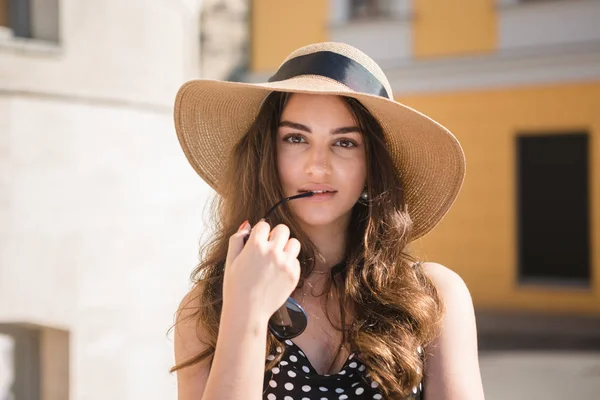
pixel 334 66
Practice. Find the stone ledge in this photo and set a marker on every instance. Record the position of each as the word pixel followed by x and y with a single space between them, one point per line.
pixel 528 331
pixel 26 45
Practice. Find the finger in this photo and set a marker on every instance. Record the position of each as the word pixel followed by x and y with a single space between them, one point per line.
pixel 292 248
pixel 295 270
pixel 236 241
pixel 260 232
pixel 279 236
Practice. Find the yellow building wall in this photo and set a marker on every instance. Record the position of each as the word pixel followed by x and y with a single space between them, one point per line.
pixel 477 239
pixel 281 26
pixel 442 28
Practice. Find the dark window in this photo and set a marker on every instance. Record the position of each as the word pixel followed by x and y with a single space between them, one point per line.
pixel 34 362
pixel 553 208
pixel 7 366
pixel 24 354
pixel 369 8
pixel 19 16
pixel 35 19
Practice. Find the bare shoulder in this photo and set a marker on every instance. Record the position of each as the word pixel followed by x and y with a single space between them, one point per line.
pixel 449 284
pixel 452 365
pixel 188 332
pixel 188 305
pixel 188 344
pixel 459 314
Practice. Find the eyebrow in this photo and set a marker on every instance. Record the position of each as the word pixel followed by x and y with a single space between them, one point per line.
pixel 301 127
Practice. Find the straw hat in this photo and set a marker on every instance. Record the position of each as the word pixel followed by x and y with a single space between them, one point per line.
pixel 211 116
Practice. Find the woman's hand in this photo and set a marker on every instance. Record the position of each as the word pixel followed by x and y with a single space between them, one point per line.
pixel 261 275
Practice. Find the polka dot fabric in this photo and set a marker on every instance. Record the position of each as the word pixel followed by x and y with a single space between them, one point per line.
pixel 294 378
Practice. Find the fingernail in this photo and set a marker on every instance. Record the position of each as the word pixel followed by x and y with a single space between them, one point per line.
pixel 243 225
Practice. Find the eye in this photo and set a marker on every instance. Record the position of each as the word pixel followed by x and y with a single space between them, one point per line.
pixel 294 138
pixel 346 143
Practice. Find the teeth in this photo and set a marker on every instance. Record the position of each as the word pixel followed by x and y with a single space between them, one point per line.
pixel 320 191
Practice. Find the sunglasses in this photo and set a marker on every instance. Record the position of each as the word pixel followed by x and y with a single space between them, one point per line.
pixel 291 319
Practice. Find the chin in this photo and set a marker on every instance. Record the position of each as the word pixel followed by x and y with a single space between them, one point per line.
pixel 312 221
pixel 319 218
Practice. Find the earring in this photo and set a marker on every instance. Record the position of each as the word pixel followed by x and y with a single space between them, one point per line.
pixel 364 195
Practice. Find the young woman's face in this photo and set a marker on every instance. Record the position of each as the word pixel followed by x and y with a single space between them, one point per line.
pixel 320 146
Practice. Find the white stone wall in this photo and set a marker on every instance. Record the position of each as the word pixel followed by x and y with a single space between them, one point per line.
pixel 135 50
pixel 100 213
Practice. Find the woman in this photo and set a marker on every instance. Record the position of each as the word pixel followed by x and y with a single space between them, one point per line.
pixel 375 175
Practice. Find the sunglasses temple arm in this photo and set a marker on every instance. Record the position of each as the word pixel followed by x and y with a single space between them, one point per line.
pixel 307 194
pixel 298 196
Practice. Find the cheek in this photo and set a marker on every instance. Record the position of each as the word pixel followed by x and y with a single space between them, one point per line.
pixel 286 170
pixel 355 172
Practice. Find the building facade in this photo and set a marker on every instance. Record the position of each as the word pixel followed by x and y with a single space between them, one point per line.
pixel 99 210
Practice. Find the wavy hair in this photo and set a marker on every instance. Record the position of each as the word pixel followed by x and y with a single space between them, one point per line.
pixel 396 307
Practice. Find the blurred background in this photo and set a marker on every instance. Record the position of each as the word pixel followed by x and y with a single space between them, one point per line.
pixel 101 215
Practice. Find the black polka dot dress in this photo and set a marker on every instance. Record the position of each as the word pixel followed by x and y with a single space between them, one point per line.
pixel 294 378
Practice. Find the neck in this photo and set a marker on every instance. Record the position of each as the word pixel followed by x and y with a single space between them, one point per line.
pixel 330 240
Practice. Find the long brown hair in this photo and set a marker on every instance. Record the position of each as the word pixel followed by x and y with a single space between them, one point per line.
pixel 396 307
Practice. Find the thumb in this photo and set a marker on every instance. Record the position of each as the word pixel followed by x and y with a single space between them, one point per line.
pixel 237 241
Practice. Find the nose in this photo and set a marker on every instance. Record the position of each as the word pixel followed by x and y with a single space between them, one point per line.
pixel 318 161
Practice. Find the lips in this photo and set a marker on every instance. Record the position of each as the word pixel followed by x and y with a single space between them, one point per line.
pixel 317 191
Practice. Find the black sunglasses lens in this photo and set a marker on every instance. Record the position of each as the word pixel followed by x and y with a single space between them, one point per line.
pixel 289 321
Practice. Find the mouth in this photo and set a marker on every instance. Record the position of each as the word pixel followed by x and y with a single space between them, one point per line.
pixel 318 191
pixel 318 195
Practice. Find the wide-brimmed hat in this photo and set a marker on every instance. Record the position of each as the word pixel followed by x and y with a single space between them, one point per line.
pixel 211 117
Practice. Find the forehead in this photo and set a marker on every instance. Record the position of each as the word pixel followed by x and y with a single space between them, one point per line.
pixel 312 109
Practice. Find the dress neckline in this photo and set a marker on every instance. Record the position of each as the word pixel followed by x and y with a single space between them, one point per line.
pixel 310 364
